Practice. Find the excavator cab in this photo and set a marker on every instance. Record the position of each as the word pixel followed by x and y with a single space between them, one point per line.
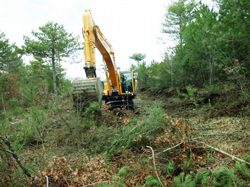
pixel 128 82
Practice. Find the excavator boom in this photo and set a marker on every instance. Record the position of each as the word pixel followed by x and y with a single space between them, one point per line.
pixel 108 54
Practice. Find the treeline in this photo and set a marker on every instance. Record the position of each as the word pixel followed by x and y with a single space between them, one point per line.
pixel 23 85
pixel 213 47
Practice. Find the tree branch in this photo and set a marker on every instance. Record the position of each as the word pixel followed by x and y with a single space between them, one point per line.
pixel 8 144
pixel 7 151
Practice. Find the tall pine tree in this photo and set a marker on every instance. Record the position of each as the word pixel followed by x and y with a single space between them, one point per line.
pixel 52 42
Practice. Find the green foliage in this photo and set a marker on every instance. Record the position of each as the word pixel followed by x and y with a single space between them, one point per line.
pixel 138 57
pixel 170 168
pixel 66 87
pixel 90 110
pixel 11 65
pixel 10 56
pixel 52 42
pixel 141 141
pixel 181 95
pixel 160 75
pixel 105 184
pixel 223 177
pixel 17 175
pixel 183 181
pixel 35 126
pixel 243 169
pixel 13 102
pixel 209 48
pixel 201 178
pixel 128 140
pixel 141 69
pixel 157 76
pixel 190 95
pixel 138 133
pixel 152 181
pixel 39 69
pixel 3 82
pixel 124 170
pixel 191 90
pixel 178 15
pixel 30 130
pixel 226 177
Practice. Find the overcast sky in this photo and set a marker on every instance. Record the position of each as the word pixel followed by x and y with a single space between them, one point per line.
pixel 130 26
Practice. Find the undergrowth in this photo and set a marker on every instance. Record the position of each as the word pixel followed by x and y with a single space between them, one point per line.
pixel 113 148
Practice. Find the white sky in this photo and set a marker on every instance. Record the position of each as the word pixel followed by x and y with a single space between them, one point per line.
pixel 130 26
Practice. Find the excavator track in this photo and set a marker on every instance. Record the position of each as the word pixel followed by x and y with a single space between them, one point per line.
pixel 86 91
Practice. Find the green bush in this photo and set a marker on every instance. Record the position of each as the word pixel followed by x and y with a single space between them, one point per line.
pixel 188 164
pixel 201 178
pixel 243 169
pixel 191 90
pixel 169 168
pixel 123 171
pixel 105 184
pixel 152 181
pixel 183 181
pixel 223 177
pixel 32 128
pixel 226 177
pixel 13 103
pixel 91 109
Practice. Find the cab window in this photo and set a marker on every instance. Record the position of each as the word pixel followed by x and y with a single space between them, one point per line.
pixel 126 83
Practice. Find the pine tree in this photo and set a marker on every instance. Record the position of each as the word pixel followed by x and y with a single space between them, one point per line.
pixel 10 63
pixel 52 42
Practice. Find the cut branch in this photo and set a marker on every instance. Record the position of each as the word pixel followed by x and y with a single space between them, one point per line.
pixel 225 153
pixel 153 156
pixel 171 148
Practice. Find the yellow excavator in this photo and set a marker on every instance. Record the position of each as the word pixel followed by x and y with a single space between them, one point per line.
pixel 119 89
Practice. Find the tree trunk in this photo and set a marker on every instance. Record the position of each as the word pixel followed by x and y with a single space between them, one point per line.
pixel 211 67
pixel 4 110
pixel 54 76
pixel 171 75
pixel 60 76
pixel 201 72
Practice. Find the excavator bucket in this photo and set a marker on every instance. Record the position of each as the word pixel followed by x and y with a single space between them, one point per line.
pixel 86 91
